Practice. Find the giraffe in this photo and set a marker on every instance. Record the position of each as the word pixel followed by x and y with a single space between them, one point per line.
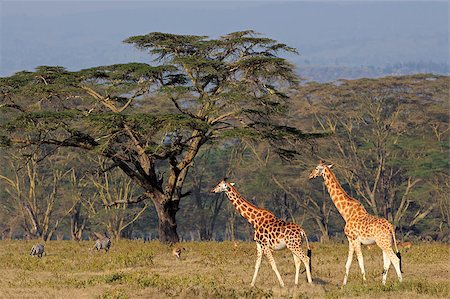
pixel 270 234
pixel 360 227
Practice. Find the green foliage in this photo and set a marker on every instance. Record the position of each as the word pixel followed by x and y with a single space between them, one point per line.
pixel 244 133
pixel 434 158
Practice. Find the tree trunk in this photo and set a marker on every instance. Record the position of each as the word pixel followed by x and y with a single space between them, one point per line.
pixel 113 230
pixel 77 224
pixel 324 236
pixel 207 220
pixel 214 217
pixel 202 222
pixel 203 227
pixel 167 224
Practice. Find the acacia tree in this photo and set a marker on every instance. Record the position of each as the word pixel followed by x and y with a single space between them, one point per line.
pixel 151 121
pixel 34 196
pixel 110 204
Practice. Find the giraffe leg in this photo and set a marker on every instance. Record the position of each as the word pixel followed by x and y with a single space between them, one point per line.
pixel 351 249
pixel 386 264
pixel 297 267
pixel 305 260
pixel 359 255
pixel 299 256
pixel 258 262
pixel 396 262
pixel 269 256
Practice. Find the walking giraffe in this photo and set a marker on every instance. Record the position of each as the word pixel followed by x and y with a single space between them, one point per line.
pixel 360 227
pixel 271 233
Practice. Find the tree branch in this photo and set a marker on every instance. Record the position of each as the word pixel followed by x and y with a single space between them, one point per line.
pixel 140 198
pixel 184 111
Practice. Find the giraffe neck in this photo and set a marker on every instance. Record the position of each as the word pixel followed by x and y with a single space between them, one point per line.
pixel 250 212
pixel 346 205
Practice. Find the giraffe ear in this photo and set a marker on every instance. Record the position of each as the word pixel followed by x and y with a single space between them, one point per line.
pixel 232 184
pixel 331 165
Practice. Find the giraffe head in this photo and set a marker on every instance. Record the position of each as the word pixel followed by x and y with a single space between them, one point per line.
pixel 319 170
pixel 223 186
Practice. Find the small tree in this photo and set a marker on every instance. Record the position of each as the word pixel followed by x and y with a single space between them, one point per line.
pixel 78 220
pixel 112 205
pixel 34 196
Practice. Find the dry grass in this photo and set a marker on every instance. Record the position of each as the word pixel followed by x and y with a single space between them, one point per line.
pixel 135 269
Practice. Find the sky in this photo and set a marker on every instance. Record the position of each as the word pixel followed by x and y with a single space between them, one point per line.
pixel 82 34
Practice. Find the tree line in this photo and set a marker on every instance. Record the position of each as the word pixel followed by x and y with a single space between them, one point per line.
pixel 329 73
pixel 133 149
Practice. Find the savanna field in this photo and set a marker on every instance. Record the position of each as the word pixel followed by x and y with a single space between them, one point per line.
pixel 207 120
pixel 134 269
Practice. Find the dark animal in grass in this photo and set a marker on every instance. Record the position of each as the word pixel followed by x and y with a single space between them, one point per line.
pixel 37 250
pixel 103 243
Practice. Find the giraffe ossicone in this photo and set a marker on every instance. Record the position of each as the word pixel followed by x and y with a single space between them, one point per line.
pixel 360 227
pixel 270 234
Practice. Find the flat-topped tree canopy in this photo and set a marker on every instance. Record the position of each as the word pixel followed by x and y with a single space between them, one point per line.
pixel 136 114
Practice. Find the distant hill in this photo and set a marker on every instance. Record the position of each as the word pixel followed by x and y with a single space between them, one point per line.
pixel 324 73
pixel 345 38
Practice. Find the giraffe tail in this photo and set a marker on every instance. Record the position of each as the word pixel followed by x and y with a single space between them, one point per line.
pixel 309 253
pixel 396 249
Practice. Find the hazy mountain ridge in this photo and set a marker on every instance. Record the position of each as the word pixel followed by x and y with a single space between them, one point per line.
pixel 330 34
pixel 329 73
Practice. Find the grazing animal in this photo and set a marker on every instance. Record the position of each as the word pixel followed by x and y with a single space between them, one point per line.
pixel 271 233
pixel 405 245
pixel 360 227
pixel 177 252
pixel 103 243
pixel 37 250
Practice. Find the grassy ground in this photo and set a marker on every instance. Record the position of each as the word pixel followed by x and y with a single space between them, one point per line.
pixel 133 269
